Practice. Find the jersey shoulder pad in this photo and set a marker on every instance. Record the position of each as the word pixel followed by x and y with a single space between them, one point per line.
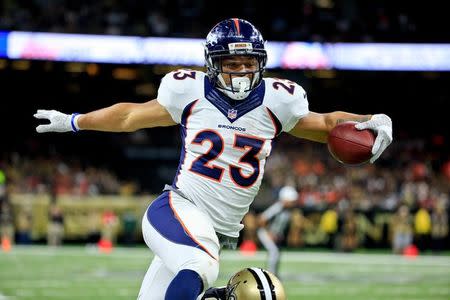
pixel 182 80
pixel 178 89
pixel 287 100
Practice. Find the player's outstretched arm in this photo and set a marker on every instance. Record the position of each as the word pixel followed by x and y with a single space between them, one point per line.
pixel 120 117
pixel 316 126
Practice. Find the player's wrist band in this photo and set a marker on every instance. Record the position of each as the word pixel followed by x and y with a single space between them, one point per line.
pixel 72 122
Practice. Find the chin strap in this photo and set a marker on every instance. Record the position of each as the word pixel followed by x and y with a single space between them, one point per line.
pixel 239 90
pixel 219 293
pixel 242 84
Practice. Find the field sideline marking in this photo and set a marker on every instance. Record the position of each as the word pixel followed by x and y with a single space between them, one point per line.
pixel 3 297
pixel 348 258
pixel 227 255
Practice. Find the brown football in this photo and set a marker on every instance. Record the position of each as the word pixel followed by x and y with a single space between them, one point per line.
pixel 349 145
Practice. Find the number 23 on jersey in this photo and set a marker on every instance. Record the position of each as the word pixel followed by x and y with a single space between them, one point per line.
pixel 204 164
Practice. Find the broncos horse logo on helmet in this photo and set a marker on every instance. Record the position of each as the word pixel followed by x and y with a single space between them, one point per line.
pixel 234 37
pixel 254 284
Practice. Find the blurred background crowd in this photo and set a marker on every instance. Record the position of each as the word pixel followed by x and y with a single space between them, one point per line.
pixel 305 20
pixel 410 173
pixel 405 194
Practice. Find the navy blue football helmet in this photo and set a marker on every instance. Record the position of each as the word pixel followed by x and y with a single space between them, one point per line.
pixel 234 37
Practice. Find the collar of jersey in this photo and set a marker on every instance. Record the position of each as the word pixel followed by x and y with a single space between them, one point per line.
pixel 224 103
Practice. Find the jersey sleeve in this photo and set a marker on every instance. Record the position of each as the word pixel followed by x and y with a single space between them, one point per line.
pixel 294 108
pixel 288 101
pixel 176 91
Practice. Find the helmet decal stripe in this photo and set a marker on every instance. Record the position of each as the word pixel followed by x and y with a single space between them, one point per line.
pixel 236 24
pixel 258 283
pixel 272 287
pixel 265 284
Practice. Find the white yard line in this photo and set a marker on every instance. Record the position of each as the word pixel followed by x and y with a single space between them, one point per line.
pixel 347 258
pixel 311 257
pixel 3 297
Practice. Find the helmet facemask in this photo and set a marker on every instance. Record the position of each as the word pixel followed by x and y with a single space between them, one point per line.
pixel 240 83
pixel 230 38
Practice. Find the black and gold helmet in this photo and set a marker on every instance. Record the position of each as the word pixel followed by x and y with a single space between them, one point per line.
pixel 255 284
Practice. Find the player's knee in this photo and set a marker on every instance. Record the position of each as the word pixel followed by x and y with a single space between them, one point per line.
pixel 276 252
pixel 208 269
pixel 213 273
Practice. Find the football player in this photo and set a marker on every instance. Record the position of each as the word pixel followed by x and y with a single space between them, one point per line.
pixel 228 119
pixel 279 215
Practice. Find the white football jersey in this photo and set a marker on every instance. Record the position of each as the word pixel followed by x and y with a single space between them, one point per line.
pixel 226 142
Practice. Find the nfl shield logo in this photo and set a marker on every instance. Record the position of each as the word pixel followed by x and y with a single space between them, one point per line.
pixel 232 113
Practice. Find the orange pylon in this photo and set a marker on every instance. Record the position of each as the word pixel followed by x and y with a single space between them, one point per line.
pixel 105 245
pixel 6 244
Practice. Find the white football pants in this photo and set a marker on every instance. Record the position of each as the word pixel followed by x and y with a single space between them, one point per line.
pixel 182 237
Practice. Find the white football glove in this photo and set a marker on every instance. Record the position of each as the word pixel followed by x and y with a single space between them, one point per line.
pixel 59 122
pixel 382 125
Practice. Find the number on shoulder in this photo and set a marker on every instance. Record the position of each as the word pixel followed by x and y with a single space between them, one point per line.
pixel 285 84
pixel 183 74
